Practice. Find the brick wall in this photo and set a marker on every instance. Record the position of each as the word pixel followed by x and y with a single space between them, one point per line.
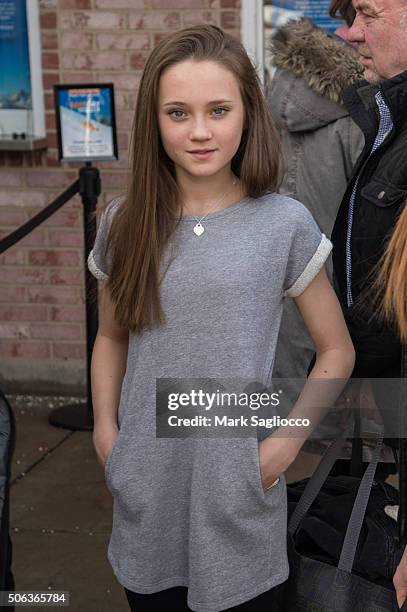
pixel 42 335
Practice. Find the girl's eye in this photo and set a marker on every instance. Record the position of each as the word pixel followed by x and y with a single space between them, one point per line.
pixel 220 114
pixel 177 114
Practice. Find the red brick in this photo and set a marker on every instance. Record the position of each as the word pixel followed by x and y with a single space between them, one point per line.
pixel 122 142
pixel 48 20
pixel 113 180
pixel 63 218
pixel 23 276
pixel 52 142
pixel 178 4
pixel 12 218
pixel 13 257
pixel 120 164
pixel 124 119
pixel 77 77
pixel 29 312
pixel 123 41
pixel 34 159
pixel 14 158
pixel 66 277
pixel 159 36
pixel 129 80
pixel 12 348
pixel 53 258
pixel 190 18
pixel 55 332
pixel 65 350
pixel 34 238
pixel 138 60
pixel 13 294
pixel 118 4
pixel 22 198
pixel 65 239
pixel 52 159
pixel 50 60
pixel 11 159
pixel 48 4
pixel 68 313
pixel 74 4
pixel 92 20
pixel 50 179
pixel 14 330
pixel 229 20
pixel 50 122
pixel 101 60
pixel 10 179
pixel 230 4
pixel 50 79
pixel 154 20
pixel 49 101
pixel 121 99
pixel 53 295
pixel 49 39
pixel 76 40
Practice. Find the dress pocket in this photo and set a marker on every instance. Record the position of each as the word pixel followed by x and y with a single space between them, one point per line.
pixel 108 462
pixel 268 492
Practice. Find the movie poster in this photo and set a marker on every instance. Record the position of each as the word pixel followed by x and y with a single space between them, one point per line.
pixel 15 81
pixel 86 119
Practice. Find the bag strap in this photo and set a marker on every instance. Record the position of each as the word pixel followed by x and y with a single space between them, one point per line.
pixel 315 483
pixel 314 486
pixel 357 516
pixel 356 460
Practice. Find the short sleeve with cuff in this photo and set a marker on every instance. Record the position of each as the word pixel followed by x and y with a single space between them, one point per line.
pixel 99 260
pixel 309 251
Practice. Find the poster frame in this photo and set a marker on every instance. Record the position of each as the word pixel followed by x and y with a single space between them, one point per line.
pixel 63 87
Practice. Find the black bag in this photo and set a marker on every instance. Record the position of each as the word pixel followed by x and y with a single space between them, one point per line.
pixel 342 546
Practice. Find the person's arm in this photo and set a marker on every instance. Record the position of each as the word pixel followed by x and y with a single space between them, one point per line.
pixel 335 358
pixel 108 367
pixel 400 580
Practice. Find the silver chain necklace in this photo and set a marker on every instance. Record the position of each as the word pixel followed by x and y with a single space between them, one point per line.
pixel 198 227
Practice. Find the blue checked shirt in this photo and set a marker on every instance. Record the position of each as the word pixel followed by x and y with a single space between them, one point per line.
pixel 385 125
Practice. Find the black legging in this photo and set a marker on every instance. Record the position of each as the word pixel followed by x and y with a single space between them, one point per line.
pixel 175 598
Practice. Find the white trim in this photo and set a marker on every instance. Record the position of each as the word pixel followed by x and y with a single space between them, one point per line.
pixel 34 45
pixel 252 32
pixel 94 269
pixel 392 511
pixel 311 269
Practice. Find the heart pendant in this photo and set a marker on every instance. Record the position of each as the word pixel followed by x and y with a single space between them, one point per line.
pixel 199 229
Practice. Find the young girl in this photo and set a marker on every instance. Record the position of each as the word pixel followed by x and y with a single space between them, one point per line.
pixel 197 259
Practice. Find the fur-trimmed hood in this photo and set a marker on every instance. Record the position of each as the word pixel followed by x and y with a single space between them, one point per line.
pixel 313 67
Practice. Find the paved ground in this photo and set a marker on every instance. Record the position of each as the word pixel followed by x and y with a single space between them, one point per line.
pixel 61 510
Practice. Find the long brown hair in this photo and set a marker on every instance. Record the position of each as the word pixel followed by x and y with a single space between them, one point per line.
pixel 391 283
pixel 147 217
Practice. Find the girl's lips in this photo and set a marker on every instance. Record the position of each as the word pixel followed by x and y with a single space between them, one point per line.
pixel 202 154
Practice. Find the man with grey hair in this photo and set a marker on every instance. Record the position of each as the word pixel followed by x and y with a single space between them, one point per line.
pixel 376 194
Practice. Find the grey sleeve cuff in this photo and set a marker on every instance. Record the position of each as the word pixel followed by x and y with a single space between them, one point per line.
pixel 312 268
pixel 94 268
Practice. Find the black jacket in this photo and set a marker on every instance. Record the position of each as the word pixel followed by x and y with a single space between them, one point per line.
pixel 380 197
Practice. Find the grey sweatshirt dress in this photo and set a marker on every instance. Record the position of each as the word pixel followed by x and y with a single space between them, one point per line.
pixel 192 511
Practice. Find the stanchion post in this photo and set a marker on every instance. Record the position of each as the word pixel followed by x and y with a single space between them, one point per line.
pixel 80 416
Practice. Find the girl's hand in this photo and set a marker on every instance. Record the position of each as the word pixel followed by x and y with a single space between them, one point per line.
pixel 275 456
pixel 103 441
pixel 400 580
